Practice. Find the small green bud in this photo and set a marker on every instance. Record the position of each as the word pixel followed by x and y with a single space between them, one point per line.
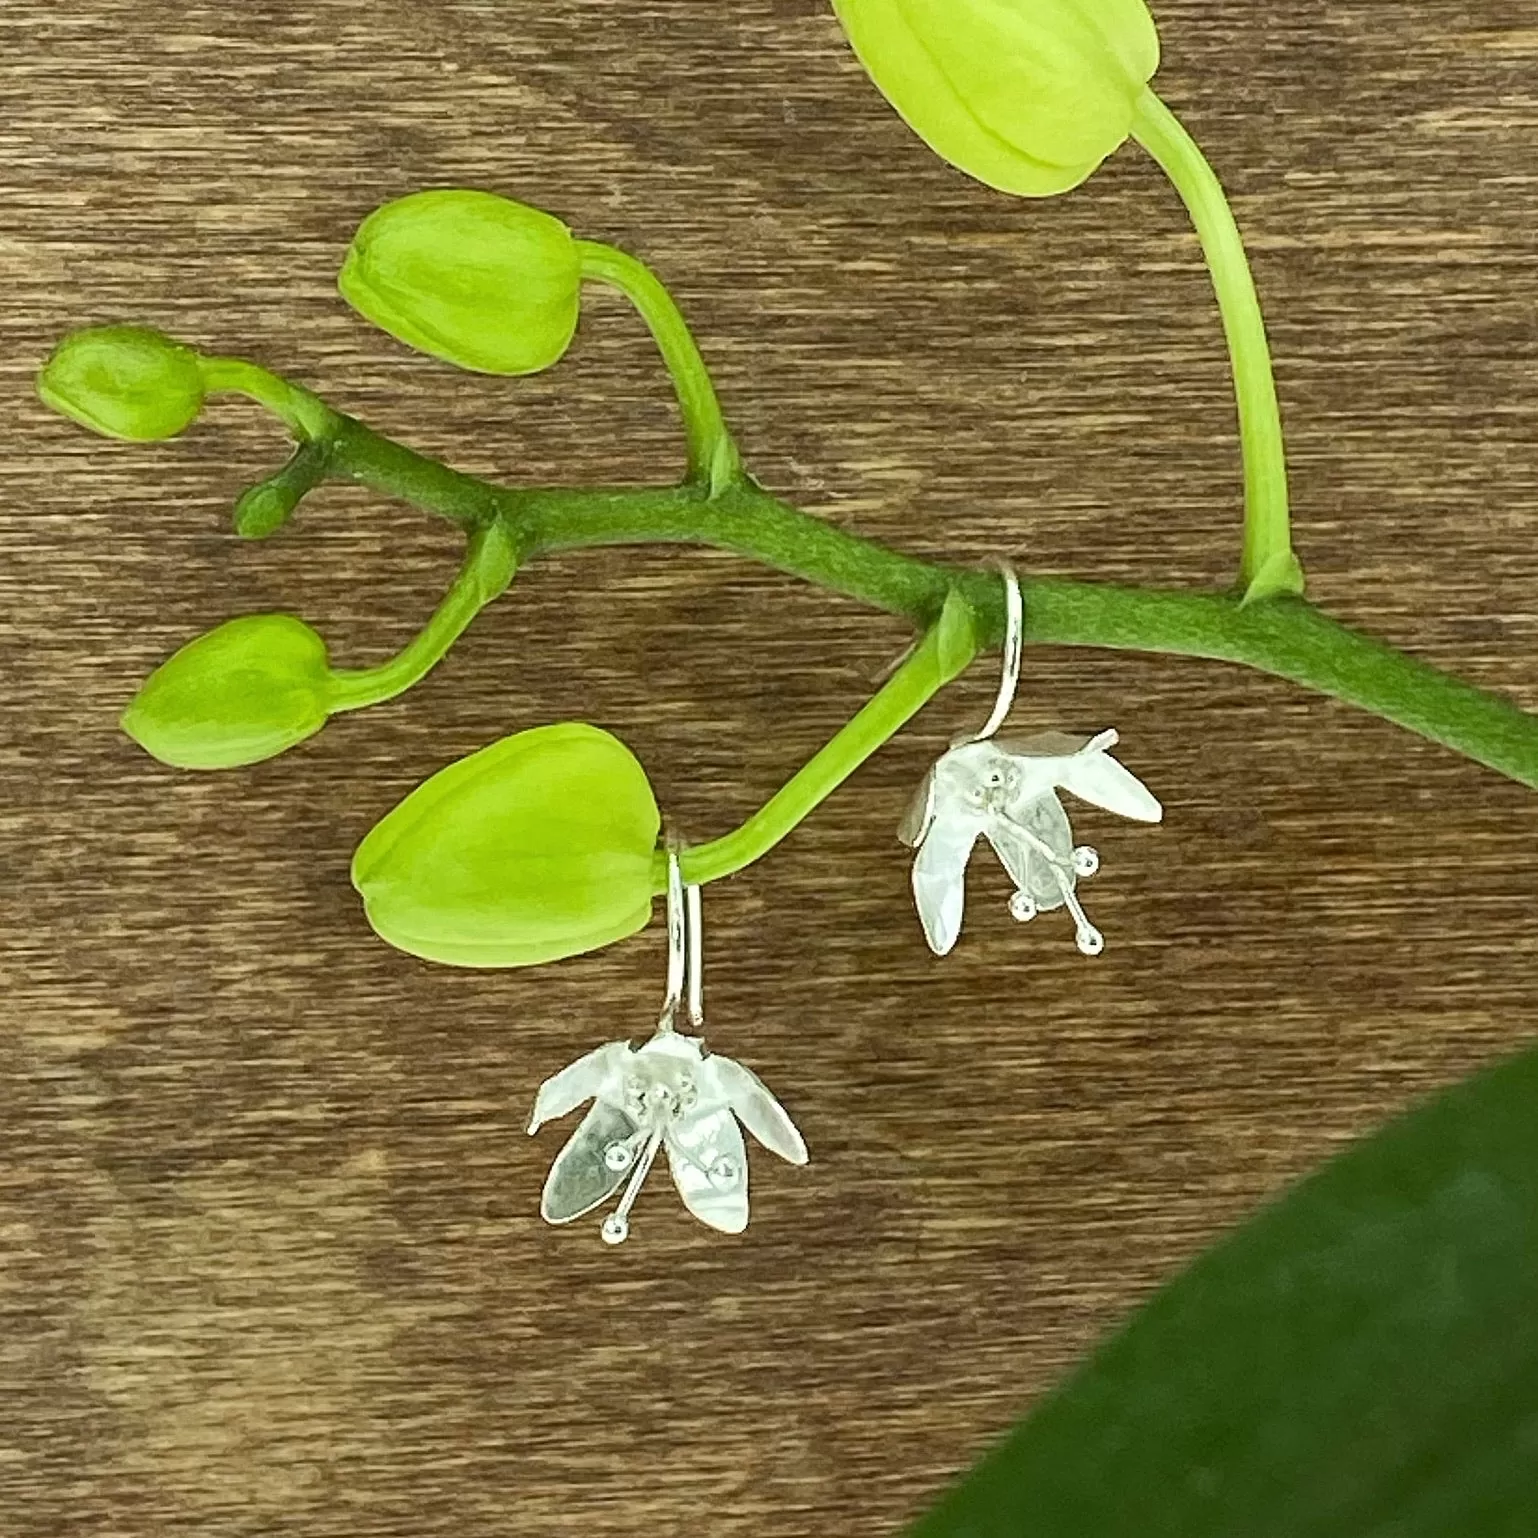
pixel 247 691
pixel 1028 96
pixel 124 382
pixel 263 509
pixel 535 848
pixel 476 279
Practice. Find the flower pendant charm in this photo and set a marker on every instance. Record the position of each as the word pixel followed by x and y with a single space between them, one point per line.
pixel 1007 793
pixel 670 1096
pixel 673 1097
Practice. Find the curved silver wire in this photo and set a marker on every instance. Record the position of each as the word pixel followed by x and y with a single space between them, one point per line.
pixel 678 941
pixel 696 924
pixel 686 946
pixel 1014 646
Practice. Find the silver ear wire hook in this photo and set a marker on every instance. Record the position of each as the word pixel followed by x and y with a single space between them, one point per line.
pixel 1014 646
pixel 686 944
pixel 678 942
pixel 695 923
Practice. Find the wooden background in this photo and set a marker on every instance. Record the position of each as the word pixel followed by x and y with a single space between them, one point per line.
pixel 270 1258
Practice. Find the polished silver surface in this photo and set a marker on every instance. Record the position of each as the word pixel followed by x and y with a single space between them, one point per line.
pixel 1014 647
pixel 1007 793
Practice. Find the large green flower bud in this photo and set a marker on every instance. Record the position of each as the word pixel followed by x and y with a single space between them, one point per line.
pixel 538 847
pixel 247 691
pixel 470 277
pixel 1028 96
pixel 124 382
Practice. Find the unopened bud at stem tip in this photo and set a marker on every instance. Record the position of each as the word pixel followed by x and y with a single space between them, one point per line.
pixel 124 382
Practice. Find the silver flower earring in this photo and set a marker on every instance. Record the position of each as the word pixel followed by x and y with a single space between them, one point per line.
pixel 1007 793
pixel 670 1095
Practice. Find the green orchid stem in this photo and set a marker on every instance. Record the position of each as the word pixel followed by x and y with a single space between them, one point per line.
pixel 945 652
pixel 488 569
pixel 1287 636
pixel 1268 566
pixel 713 457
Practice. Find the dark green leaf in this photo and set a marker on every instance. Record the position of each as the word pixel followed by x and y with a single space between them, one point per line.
pixel 1360 1361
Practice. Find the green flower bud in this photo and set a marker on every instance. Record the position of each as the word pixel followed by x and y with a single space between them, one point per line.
pixel 1028 96
pixel 535 848
pixel 476 279
pixel 124 382
pixel 263 509
pixel 247 691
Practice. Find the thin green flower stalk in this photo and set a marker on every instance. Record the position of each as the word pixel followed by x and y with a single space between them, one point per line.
pixel 305 415
pixel 1268 567
pixel 1030 97
pixel 264 508
pixel 487 571
pixel 713 459
pixel 943 654
pixel 1287 637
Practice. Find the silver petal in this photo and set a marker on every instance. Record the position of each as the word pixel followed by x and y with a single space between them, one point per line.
pixel 1028 868
pixel 1043 745
pixel 582 1080
pixel 756 1108
pixel 939 880
pixel 1102 781
pixel 920 816
pixel 581 1178
pixel 709 1161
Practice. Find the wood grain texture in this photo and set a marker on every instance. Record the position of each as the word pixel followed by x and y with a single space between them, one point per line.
pixel 270 1259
